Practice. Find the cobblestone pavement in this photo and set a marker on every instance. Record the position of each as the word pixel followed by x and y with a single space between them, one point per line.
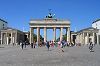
pixel 72 56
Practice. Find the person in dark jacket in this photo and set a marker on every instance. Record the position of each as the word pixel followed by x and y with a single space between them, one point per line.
pixel 48 45
pixel 31 45
pixel 91 47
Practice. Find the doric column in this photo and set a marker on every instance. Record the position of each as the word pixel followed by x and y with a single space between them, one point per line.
pixel 93 38
pixel 61 33
pixel 11 38
pixel 6 41
pixel 38 35
pixel 87 38
pixel 76 39
pixel 79 39
pixel 45 34
pixel 7 37
pixel 1 38
pixel 97 39
pixel 83 38
pixel 71 38
pixel 31 35
pixel 16 38
pixel 68 34
pixel 54 29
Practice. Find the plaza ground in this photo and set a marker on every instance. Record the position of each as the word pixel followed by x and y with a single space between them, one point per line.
pixel 72 56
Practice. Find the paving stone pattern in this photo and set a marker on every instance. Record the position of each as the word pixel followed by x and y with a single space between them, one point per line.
pixel 72 56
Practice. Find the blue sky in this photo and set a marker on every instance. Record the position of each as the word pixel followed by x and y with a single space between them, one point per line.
pixel 81 13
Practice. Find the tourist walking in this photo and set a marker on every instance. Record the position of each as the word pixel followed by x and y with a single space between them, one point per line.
pixel 91 47
pixel 60 46
pixel 31 45
pixel 25 44
pixel 22 45
pixel 47 44
pixel 37 44
pixel 34 44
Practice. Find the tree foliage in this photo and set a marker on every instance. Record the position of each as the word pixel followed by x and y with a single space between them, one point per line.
pixel 64 37
pixel 35 38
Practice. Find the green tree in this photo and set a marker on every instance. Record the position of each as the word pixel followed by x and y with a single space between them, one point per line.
pixel 64 37
pixel 35 37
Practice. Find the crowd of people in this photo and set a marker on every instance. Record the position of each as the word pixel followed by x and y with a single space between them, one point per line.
pixel 48 44
pixel 59 44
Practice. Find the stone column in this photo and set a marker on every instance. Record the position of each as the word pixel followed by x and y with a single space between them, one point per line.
pixel 45 34
pixel 31 35
pixel 83 38
pixel 54 29
pixel 93 38
pixel 4 38
pixel 6 41
pixel 11 38
pixel 7 37
pixel 97 39
pixel 1 38
pixel 79 38
pixel 87 38
pixel 38 35
pixel 71 38
pixel 16 38
pixel 61 33
pixel 68 34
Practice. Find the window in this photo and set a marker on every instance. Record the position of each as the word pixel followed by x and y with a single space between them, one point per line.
pixel 3 26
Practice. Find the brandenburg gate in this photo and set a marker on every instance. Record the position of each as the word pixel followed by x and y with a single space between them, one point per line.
pixel 49 23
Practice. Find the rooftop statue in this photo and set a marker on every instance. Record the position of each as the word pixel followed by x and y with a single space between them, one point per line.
pixel 50 15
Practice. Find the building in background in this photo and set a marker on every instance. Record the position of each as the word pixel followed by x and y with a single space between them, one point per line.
pixel 96 24
pixel 90 34
pixel 87 35
pixel 3 24
pixel 12 36
pixel 49 22
pixel 15 36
